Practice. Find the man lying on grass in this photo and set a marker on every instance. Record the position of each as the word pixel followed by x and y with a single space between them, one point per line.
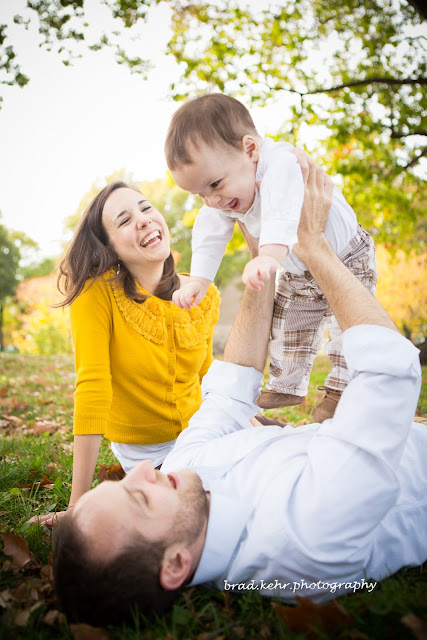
pixel 315 511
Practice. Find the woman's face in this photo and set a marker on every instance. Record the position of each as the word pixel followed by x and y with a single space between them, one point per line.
pixel 136 230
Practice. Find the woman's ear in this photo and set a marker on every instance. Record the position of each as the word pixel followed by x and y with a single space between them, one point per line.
pixel 175 568
pixel 251 147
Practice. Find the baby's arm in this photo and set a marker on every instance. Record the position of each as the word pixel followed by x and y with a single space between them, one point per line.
pixel 193 292
pixel 211 232
pixel 259 269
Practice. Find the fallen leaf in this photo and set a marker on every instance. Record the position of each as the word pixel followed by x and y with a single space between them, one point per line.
pixel 418 626
pixel 308 617
pixel 16 547
pixel 43 426
pixel 44 482
pixel 21 617
pixel 86 632
pixel 46 573
pixel 53 616
pixel 110 472
pixel 5 597
pixel 17 422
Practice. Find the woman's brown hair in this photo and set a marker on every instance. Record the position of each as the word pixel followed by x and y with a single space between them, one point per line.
pixel 90 255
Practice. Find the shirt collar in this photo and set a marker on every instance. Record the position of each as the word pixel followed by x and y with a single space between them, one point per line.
pixel 227 519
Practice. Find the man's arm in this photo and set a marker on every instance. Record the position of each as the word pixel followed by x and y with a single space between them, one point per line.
pixel 248 340
pixel 352 303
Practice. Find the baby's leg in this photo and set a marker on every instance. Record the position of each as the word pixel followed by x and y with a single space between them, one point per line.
pixel 296 333
pixel 359 257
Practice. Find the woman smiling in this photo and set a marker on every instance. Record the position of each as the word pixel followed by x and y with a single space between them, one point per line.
pixel 139 358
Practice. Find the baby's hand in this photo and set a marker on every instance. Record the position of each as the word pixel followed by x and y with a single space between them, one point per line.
pixel 258 271
pixel 190 294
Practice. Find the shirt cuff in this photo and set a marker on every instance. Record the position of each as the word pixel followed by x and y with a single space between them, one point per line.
pixel 278 232
pixel 203 266
pixel 233 381
pixel 379 350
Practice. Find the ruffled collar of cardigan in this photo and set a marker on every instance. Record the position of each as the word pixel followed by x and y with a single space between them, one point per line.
pixel 192 327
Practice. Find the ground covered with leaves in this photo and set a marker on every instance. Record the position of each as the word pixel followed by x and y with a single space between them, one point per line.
pixel 36 398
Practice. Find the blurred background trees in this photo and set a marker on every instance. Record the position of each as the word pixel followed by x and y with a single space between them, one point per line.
pixel 353 72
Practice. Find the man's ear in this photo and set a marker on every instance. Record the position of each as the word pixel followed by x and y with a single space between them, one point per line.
pixel 176 566
pixel 250 145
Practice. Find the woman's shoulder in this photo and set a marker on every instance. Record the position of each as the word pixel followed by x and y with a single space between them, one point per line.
pixel 94 287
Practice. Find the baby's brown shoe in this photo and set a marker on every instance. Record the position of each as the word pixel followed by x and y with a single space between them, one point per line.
pixel 326 407
pixel 274 399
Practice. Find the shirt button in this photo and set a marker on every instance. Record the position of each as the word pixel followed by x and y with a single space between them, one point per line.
pixel 169 389
pixel 171 373
pixel 171 349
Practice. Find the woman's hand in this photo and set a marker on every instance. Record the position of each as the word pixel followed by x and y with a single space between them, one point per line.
pixel 49 520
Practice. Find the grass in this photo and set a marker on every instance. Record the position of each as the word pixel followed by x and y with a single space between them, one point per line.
pixel 36 441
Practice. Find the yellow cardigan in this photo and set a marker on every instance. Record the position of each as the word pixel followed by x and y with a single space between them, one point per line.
pixel 139 366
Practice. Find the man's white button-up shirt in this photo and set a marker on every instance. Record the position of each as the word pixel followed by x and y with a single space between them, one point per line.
pixel 318 505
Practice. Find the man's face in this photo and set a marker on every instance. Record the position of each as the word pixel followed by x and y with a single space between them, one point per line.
pixel 224 177
pixel 172 508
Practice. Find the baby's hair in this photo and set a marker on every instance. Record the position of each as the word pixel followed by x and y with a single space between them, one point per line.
pixel 212 119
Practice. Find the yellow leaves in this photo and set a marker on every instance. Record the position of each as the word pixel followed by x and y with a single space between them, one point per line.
pixel 402 289
pixel 41 329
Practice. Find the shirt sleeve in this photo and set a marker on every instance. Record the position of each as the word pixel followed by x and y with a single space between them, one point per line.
pixel 229 402
pixel 212 231
pixel 91 327
pixel 349 483
pixel 282 197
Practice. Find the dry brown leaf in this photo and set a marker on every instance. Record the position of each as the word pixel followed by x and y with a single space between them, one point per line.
pixel 3 391
pixel 21 617
pixel 307 616
pixel 110 472
pixel 16 547
pixel 5 597
pixel 417 625
pixel 43 426
pixel 86 632
pixel 44 482
pixel 53 616
pixel 46 573
pixel 9 566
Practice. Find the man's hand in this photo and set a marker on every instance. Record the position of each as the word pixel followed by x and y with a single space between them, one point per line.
pixel 190 294
pixel 50 520
pixel 315 210
pixel 258 271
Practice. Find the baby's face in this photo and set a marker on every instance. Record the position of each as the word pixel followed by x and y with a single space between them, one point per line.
pixel 224 177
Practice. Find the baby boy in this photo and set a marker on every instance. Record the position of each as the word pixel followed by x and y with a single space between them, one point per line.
pixel 213 149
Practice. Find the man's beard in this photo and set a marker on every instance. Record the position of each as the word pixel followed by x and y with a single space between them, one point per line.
pixel 191 518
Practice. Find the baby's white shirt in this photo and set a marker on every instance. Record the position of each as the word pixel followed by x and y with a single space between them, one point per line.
pixel 273 217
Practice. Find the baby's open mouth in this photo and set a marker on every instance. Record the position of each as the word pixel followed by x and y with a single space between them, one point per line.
pixel 234 204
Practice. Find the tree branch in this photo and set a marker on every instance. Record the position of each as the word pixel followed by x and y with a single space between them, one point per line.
pixel 416 159
pixel 396 135
pixel 373 80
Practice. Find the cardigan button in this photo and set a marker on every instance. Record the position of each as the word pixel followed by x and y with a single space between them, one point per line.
pixel 169 389
pixel 171 373
pixel 171 349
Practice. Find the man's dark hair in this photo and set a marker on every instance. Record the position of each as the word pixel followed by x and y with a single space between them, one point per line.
pixel 107 593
